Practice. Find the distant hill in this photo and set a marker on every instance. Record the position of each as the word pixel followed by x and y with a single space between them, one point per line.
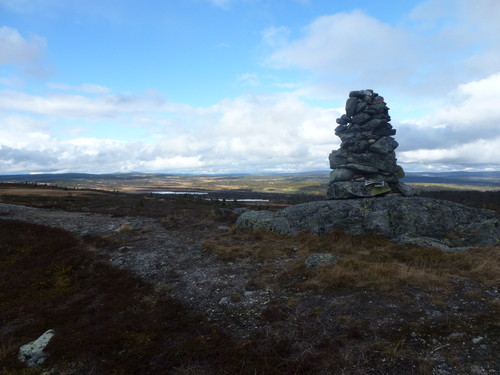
pixel 300 181
pixel 455 178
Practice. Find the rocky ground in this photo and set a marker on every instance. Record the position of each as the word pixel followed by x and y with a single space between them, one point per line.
pixel 169 257
pixel 367 330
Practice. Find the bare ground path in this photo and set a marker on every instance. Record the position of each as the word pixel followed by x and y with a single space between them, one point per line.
pixel 172 259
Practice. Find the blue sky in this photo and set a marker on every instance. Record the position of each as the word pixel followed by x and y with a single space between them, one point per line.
pixel 216 86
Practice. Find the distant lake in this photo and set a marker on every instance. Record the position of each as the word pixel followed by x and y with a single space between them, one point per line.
pixel 179 193
pixel 210 199
pixel 249 200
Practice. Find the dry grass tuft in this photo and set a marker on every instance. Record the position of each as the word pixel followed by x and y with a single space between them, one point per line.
pixel 124 228
pixel 364 261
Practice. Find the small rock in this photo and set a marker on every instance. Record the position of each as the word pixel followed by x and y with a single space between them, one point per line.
pixel 224 300
pixel 320 259
pixel 32 354
pixel 406 190
pixel 125 248
pixel 455 335
pixel 223 227
pixel 117 262
pixel 477 340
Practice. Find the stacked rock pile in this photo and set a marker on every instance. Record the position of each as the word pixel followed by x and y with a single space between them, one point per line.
pixel 365 164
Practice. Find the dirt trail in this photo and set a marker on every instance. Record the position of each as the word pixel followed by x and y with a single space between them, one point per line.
pixel 172 259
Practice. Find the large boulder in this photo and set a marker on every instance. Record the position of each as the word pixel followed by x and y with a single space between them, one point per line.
pixel 398 218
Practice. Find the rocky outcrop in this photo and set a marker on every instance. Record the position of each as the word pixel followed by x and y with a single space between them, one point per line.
pixel 365 164
pixel 407 220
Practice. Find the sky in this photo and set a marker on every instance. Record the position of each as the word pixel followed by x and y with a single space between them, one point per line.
pixel 242 86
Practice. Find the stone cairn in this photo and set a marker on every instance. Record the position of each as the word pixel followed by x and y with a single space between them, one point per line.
pixel 365 164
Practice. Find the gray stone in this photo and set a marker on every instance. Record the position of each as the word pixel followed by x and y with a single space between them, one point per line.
pixel 385 131
pixel 4 209
pixel 361 168
pixel 406 190
pixel 376 162
pixel 348 139
pixel 350 106
pixel 361 106
pixel 374 124
pixel 354 189
pixel 443 244
pixel 384 145
pixel 360 118
pixel 477 340
pixel 357 94
pixel 320 259
pixel 359 146
pixel 340 129
pixel 392 217
pixel 32 354
pixel 125 248
pixel 343 120
pixel 341 174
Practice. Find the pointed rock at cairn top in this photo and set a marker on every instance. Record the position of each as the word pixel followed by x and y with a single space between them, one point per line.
pixel 365 164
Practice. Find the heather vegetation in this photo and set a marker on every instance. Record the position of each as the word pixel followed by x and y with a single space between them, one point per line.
pixel 381 308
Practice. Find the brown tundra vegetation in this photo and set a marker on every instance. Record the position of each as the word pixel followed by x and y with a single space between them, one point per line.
pixel 175 288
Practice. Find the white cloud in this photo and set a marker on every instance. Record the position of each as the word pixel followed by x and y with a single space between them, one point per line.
pixel 463 133
pixel 249 79
pixel 74 106
pixel 274 36
pixel 16 50
pixel 470 113
pixel 480 154
pixel 276 132
pixel 350 46
pixel 12 82
pixel 20 131
pixel 474 105
pixel 442 44
pixel 86 88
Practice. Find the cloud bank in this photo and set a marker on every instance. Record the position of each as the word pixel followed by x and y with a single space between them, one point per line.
pixel 263 133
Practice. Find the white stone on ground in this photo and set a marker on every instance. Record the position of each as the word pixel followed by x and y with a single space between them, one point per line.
pixel 32 354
